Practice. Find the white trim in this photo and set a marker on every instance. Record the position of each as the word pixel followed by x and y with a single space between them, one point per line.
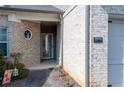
pixel 69 10
pixel 7 42
pixel 17 16
pixel 10 29
pixel 12 17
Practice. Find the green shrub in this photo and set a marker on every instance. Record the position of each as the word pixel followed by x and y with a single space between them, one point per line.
pixel 2 62
pixel 22 74
pixel 19 65
pixel 22 71
pixel 9 65
pixel 2 54
pixel 4 65
pixel 1 71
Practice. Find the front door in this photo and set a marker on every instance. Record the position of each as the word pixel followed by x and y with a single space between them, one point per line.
pixel 47 45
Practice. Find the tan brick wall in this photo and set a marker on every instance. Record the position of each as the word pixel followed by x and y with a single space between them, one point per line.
pixel 30 49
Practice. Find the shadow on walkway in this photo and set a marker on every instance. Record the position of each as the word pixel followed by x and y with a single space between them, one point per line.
pixel 37 78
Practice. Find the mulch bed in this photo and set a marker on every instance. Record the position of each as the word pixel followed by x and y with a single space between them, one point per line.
pixel 61 75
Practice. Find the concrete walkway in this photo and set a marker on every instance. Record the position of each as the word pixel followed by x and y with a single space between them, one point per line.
pixel 44 65
pixel 44 78
pixel 40 76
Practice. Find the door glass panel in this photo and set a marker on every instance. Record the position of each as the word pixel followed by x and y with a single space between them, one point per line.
pixel 47 41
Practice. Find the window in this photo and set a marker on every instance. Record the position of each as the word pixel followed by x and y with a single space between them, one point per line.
pixel 3 39
pixel 28 34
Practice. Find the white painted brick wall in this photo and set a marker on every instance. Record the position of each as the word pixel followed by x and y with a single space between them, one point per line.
pixel 99 16
pixel 74 44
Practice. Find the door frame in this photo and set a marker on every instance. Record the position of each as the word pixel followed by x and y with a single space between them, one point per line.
pixel 52 46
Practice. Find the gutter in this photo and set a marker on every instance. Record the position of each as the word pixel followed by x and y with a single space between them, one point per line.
pixel 87 47
pixel 31 10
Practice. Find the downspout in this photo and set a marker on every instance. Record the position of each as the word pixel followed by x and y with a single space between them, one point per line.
pixel 87 25
pixel 62 16
pixel 61 28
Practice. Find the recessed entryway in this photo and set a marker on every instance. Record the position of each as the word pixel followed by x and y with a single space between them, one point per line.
pixel 116 54
pixel 48 41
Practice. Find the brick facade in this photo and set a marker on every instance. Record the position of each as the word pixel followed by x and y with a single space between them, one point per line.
pixel 99 16
pixel 98 52
pixel 30 49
